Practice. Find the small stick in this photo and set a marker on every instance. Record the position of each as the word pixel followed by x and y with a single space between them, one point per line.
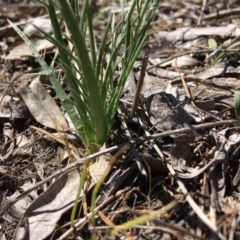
pixel 139 85
pixel 188 94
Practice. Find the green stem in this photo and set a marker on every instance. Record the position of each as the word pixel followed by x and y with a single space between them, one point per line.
pixel 90 79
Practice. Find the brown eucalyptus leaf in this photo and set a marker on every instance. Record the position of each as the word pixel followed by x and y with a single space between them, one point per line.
pixel 211 72
pixel 185 61
pixel 167 113
pixel 42 106
pixel 23 50
pixel 43 23
pixel 188 33
pixel 44 213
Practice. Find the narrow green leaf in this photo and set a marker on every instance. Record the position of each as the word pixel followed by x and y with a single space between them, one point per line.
pixel 102 48
pixel 90 79
pixel 237 104
pixel 80 189
pixel 59 39
pixel 55 83
pixel 91 34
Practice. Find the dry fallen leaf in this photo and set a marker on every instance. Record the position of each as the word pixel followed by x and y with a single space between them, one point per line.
pixel 23 50
pixel 43 23
pixel 46 210
pixel 42 106
pixel 185 61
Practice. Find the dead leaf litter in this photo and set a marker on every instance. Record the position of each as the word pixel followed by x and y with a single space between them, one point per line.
pixel 171 166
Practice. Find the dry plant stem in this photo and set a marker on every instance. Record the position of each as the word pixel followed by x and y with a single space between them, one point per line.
pixel 152 141
pixel 138 161
pixel 167 227
pixel 144 217
pixel 205 82
pixel 139 85
pixel 202 201
pixel 109 223
pixel 188 94
pixel 191 202
pixel 86 218
pixel 100 181
pixel 194 206
pixel 185 130
pixel 65 170
pixel 80 161
pixel 222 13
pixel 236 39
pixel 234 226
pixel 179 55
pixel 60 140
pixel 149 177
pixel 201 13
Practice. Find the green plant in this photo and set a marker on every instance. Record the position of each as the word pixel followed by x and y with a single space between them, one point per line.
pixel 221 55
pixel 237 104
pixel 95 95
pixel 212 44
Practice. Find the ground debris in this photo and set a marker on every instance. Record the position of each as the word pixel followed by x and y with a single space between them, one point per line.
pixel 178 174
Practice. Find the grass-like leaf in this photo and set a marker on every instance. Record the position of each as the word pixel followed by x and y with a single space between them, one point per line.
pixel 237 104
pixel 54 81
pixel 221 56
pixel 95 95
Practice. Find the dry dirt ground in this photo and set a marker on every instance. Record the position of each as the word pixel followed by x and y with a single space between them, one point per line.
pixel 180 177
